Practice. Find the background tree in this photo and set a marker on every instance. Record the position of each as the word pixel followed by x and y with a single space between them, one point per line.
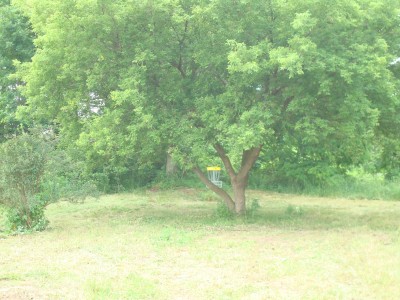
pixel 227 79
pixel 16 44
pixel 388 135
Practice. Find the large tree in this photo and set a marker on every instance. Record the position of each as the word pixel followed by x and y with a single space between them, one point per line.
pixel 220 78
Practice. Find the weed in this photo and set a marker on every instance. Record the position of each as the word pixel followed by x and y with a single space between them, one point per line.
pixel 254 208
pixel 223 212
pixel 294 210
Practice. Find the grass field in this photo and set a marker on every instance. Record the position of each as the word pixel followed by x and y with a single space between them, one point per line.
pixel 178 245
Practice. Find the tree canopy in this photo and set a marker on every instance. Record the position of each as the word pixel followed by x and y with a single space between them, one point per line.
pixel 16 45
pixel 131 79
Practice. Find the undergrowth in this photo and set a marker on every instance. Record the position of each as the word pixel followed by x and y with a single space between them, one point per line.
pixel 356 184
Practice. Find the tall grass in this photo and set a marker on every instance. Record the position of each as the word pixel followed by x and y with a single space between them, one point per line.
pixel 2 220
pixel 355 184
pixel 358 188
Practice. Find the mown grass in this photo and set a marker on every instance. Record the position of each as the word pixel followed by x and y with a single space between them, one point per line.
pixel 178 245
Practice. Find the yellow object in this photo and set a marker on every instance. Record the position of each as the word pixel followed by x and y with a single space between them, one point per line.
pixel 213 169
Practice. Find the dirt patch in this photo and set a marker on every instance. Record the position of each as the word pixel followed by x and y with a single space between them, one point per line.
pixel 22 293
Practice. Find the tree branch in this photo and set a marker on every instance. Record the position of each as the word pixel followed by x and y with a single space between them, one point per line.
pixel 249 157
pixel 286 103
pixel 225 159
pixel 223 80
pixel 179 66
pixel 276 91
pixel 220 192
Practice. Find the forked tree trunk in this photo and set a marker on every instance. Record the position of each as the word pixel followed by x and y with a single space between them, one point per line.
pixel 237 203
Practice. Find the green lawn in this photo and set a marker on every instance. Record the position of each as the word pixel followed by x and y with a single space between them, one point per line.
pixel 174 245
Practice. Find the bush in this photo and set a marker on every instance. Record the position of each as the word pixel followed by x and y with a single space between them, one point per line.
pixel 66 178
pixel 22 167
pixel 164 181
pixel 223 212
pixel 17 220
pixel 33 174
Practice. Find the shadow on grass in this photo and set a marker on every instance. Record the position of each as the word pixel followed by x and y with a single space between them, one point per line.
pixel 206 215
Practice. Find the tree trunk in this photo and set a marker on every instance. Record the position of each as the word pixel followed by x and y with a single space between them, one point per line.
pixel 170 167
pixel 239 196
pixel 239 180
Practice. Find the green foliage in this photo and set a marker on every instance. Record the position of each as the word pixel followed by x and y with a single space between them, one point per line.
pixel 310 81
pixel 66 178
pixel 354 184
pixel 33 174
pixel 181 179
pixel 358 184
pixel 3 212
pixel 389 161
pixel 293 173
pixel 22 167
pixel 17 221
pixel 16 45
pixel 222 212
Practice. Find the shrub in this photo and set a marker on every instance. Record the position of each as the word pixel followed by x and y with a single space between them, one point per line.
pixel 22 167
pixel 17 220
pixel 66 178
pixel 223 212
pixel 33 174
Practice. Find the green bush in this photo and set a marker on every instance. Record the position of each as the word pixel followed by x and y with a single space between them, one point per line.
pixel 356 183
pixel 33 174
pixel 66 178
pixel 17 220
pixel 22 166
pixel 178 180
pixel 223 212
